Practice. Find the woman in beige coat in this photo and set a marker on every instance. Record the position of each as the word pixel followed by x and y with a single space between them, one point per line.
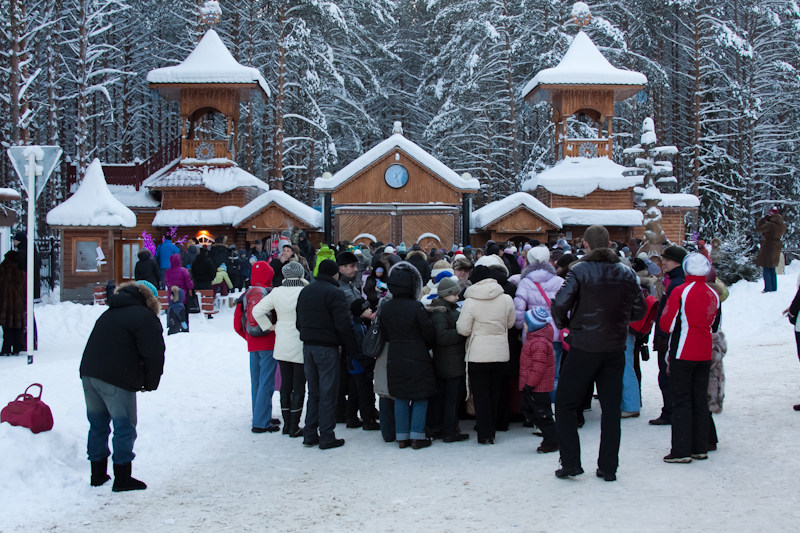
pixel 486 316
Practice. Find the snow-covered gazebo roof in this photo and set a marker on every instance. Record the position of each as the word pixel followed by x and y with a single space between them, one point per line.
pixel 297 208
pixel 220 179
pixel 92 204
pixel 606 217
pixel 411 149
pixel 578 176
pixel 196 217
pixel 495 210
pixel 583 64
pixel 209 62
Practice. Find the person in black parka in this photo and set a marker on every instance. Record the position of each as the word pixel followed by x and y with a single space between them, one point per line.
pixel 203 271
pixel 409 331
pixel 147 268
pixel 124 355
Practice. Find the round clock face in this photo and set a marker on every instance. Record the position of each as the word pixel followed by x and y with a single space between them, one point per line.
pixel 396 176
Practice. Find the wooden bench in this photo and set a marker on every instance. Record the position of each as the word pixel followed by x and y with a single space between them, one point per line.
pixel 163 299
pixel 207 302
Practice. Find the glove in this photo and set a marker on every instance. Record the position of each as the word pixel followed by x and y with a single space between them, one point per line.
pixel 645 353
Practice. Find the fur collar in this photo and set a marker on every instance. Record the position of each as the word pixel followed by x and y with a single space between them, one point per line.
pixel 602 255
pixel 537 266
pixel 149 298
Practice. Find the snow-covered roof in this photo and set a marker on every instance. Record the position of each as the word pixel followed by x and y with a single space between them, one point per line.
pixel 217 179
pixel 209 62
pixel 583 64
pixel 414 151
pixel 494 210
pixel 9 194
pixel 672 199
pixel 305 213
pixel 130 197
pixel 578 176
pixel 92 204
pixel 196 217
pixel 606 217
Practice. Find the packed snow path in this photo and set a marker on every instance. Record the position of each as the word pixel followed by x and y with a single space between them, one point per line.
pixel 206 471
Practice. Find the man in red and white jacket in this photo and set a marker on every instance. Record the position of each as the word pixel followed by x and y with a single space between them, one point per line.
pixel 690 316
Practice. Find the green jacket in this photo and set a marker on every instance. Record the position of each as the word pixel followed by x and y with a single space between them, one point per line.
pixel 323 254
pixel 450 348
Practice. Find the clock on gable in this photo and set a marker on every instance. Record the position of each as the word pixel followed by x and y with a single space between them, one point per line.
pixel 396 176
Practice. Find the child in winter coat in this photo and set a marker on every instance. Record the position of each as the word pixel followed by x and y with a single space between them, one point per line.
pixel 360 367
pixel 177 318
pixel 537 367
pixel 222 281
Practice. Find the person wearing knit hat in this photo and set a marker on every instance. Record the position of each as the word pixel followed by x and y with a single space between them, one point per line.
pixel 328 267
pixel 447 286
pixel 441 275
pixel 689 317
pixel 292 271
pixel 674 253
pixel 537 366
pixel 348 268
pixel 149 286
pixel 401 248
pixel 540 254
pixel 285 254
pixel 389 250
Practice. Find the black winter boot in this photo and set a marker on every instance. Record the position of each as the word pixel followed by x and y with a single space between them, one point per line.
pixel 294 417
pixel 285 413
pixel 123 480
pixel 99 472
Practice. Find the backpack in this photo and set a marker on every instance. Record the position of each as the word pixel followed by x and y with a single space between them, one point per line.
pixel 248 300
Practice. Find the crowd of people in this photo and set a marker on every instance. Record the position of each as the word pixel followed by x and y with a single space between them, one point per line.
pixel 496 333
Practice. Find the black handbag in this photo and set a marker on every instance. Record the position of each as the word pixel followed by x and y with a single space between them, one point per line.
pixel 193 303
pixel 373 343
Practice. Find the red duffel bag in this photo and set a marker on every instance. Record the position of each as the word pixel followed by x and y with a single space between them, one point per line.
pixel 29 412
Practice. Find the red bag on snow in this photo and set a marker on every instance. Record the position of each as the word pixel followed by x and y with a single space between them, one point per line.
pixel 29 412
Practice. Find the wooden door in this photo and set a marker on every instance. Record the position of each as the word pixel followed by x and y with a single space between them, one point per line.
pixel 126 255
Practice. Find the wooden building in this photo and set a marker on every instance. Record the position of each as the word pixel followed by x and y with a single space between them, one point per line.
pixel 397 192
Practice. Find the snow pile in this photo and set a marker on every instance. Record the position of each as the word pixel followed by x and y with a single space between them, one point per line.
pixel 679 200
pixel 583 64
pixel 9 194
pixel 606 217
pixel 428 236
pixel 217 179
pixel 309 215
pixel 209 62
pixel 196 217
pixel 579 176
pixel 494 210
pixel 130 197
pixel 414 151
pixel 92 204
pixel 651 193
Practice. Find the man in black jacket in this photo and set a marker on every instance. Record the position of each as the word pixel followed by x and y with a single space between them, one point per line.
pixel 147 268
pixel 219 251
pixel 598 300
pixel 124 354
pixel 325 326
pixel 672 266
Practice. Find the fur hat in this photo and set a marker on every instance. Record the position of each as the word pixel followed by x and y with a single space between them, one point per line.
pixel 675 253
pixel 540 254
pixel 696 265
pixel 292 269
pixel 346 258
pixel 462 263
pixel 328 267
pixel 536 318
pixel 447 286
pixel 440 264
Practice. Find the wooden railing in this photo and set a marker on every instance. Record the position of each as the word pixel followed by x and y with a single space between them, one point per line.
pixel 131 173
pixel 215 149
pixel 586 148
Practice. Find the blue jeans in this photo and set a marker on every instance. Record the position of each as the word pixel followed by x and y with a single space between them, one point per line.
pixel 770 280
pixel 262 386
pixel 631 401
pixel 558 351
pixel 106 403
pixel 321 364
pixel 409 419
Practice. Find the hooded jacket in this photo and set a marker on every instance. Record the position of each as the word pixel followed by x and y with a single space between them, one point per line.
pixel 410 333
pixel 203 270
pixel 146 268
pixel 450 347
pixel 420 262
pixel 260 276
pixel 177 276
pixel 191 255
pixel 323 254
pixel 222 277
pixel 537 362
pixel 486 316
pixel 218 253
pixel 283 300
pixel 164 251
pixel 690 316
pixel 528 294
pixel 598 300
pixel 126 347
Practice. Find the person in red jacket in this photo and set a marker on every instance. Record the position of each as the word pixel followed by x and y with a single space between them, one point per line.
pixel 690 316
pixel 537 372
pixel 262 364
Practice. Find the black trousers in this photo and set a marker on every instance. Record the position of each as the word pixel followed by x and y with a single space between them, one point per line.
pixel 712 430
pixel 293 385
pixel 485 380
pixel 443 406
pixel 577 374
pixel 13 340
pixel 536 408
pixel 364 394
pixel 347 402
pixel 689 382
pixel 664 385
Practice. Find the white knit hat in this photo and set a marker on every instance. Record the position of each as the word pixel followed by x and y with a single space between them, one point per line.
pixel 696 265
pixel 539 254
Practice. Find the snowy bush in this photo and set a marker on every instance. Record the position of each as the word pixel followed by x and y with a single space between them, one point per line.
pixel 737 259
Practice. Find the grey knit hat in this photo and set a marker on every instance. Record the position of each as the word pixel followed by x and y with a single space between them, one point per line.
pixel 292 269
pixel 448 286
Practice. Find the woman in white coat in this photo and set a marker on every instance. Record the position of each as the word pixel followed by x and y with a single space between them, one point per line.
pixel 486 316
pixel 288 346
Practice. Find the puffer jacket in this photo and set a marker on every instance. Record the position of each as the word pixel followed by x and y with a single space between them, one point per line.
pixel 177 276
pixel 420 262
pixel 598 300
pixel 486 316
pixel 528 294
pixel 147 268
pixel 408 330
pixel 323 254
pixel 222 276
pixel 288 346
pixel 451 346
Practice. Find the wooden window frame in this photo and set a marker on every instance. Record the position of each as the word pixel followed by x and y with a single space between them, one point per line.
pixel 75 241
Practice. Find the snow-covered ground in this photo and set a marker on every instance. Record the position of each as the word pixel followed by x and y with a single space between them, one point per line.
pixel 206 471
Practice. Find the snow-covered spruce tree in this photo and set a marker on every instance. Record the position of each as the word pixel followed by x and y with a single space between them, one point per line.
pixel 737 260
